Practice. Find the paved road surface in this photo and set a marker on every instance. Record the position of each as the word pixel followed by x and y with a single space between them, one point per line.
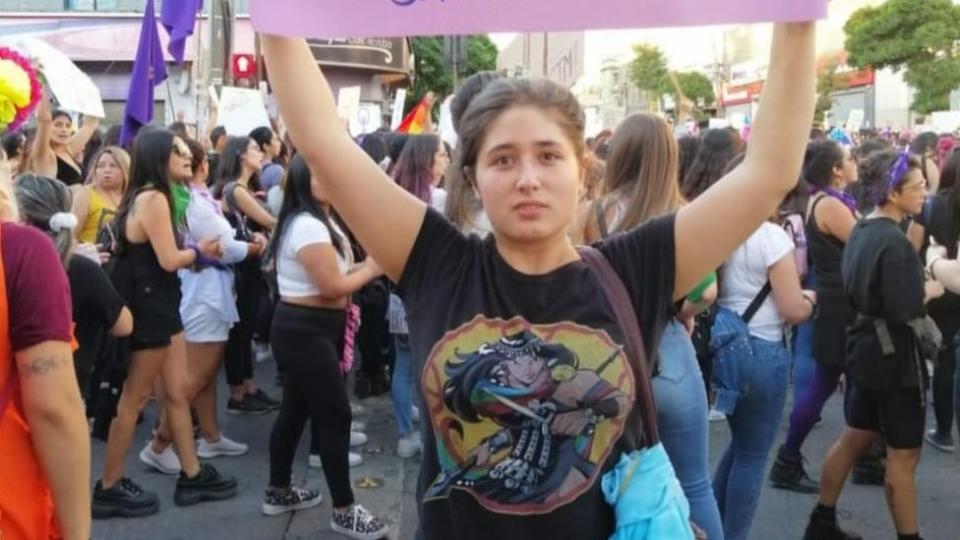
pixel 781 515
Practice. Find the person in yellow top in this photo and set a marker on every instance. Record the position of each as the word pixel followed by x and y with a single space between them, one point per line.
pixel 96 203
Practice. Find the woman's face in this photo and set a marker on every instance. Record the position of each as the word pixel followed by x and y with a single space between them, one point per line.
pixel 912 193
pixel 848 171
pixel 179 164
pixel 441 160
pixel 526 370
pixel 528 176
pixel 62 130
pixel 108 172
pixel 252 157
pixel 273 150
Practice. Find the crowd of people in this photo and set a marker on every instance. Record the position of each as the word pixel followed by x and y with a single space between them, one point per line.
pixel 562 311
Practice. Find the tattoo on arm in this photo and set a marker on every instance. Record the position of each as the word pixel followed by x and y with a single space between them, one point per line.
pixel 46 364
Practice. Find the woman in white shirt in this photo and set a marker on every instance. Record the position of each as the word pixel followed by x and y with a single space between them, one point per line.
pixel 316 276
pixel 208 310
pixel 755 408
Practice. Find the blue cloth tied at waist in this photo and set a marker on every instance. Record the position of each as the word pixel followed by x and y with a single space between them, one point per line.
pixel 647 498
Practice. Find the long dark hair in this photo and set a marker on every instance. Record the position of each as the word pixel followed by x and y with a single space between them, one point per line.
pixel 262 136
pixel 298 198
pixel 149 167
pixel 819 161
pixel 950 175
pixel 717 148
pixel 230 165
pixel 414 170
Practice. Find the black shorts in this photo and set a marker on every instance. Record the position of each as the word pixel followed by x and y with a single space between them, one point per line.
pixel 900 414
pixel 156 312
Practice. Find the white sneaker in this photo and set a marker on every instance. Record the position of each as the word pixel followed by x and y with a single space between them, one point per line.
pixel 166 462
pixel 415 415
pixel 357 439
pixel 358 426
pixel 223 447
pixel 409 446
pixel 355 409
pixel 354 459
pixel 716 416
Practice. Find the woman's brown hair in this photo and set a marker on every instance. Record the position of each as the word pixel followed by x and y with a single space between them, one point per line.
pixel 641 170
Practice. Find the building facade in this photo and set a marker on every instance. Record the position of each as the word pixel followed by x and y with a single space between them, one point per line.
pixel 101 37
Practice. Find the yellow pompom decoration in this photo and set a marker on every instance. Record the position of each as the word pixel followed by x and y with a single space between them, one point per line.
pixel 14 84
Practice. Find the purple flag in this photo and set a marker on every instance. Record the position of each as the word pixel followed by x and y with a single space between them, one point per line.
pixel 179 18
pixel 149 70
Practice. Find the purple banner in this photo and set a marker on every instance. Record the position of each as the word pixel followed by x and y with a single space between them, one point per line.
pixel 379 18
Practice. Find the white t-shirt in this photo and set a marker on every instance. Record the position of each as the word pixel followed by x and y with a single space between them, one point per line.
pixel 304 230
pixel 746 272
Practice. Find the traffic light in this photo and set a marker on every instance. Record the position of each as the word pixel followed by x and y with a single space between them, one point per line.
pixel 243 67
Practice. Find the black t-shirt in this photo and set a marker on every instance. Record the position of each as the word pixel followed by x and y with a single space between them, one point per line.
pixel 96 306
pixel 883 279
pixel 526 390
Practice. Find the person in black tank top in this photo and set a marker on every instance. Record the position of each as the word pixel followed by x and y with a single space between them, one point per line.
pixel 828 168
pixel 55 144
pixel 144 271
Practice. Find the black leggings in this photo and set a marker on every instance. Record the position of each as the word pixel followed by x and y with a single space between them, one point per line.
pixel 943 374
pixel 249 284
pixel 308 342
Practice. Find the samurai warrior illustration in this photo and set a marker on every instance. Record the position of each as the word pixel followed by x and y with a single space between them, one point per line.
pixel 548 410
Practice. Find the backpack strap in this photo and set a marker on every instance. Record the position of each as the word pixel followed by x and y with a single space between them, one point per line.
pixel 758 301
pixel 601 219
pixel 644 413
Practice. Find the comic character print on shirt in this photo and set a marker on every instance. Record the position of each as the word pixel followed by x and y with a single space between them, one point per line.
pixel 525 415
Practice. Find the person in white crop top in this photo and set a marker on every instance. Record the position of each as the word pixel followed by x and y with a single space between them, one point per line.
pixel 310 334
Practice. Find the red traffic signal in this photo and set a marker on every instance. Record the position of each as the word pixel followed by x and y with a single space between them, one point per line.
pixel 243 66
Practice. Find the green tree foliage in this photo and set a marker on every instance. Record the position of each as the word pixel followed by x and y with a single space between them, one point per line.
pixel 431 73
pixel 696 87
pixel 648 70
pixel 827 83
pixel 920 37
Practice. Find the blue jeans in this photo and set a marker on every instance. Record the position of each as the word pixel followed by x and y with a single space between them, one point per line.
pixel 401 385
pixel 753 426
pixel 682 420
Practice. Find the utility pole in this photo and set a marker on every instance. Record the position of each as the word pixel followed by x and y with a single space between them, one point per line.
pixel 546 56
pixel 220 15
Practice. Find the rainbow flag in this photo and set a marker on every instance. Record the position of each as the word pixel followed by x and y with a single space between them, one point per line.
pixel 417 120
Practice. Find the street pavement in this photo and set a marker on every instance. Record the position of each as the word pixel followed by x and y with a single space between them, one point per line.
pixel 781 515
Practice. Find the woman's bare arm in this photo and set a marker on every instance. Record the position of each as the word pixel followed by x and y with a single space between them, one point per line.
pixel 320 261
pixel 87 128
pixel 384 217
pixel 252 209
pixel 81 209
pixel 54 411
pixel 154 219
pixel 713 225
pixel 42 159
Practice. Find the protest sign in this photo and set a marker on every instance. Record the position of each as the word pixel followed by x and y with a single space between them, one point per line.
pixel 398 102
pixel 74 90
pixel 946 121
pixel 855 121
pixel 348 102
pixel 347 18
pixel 242 110
pixel 367 118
